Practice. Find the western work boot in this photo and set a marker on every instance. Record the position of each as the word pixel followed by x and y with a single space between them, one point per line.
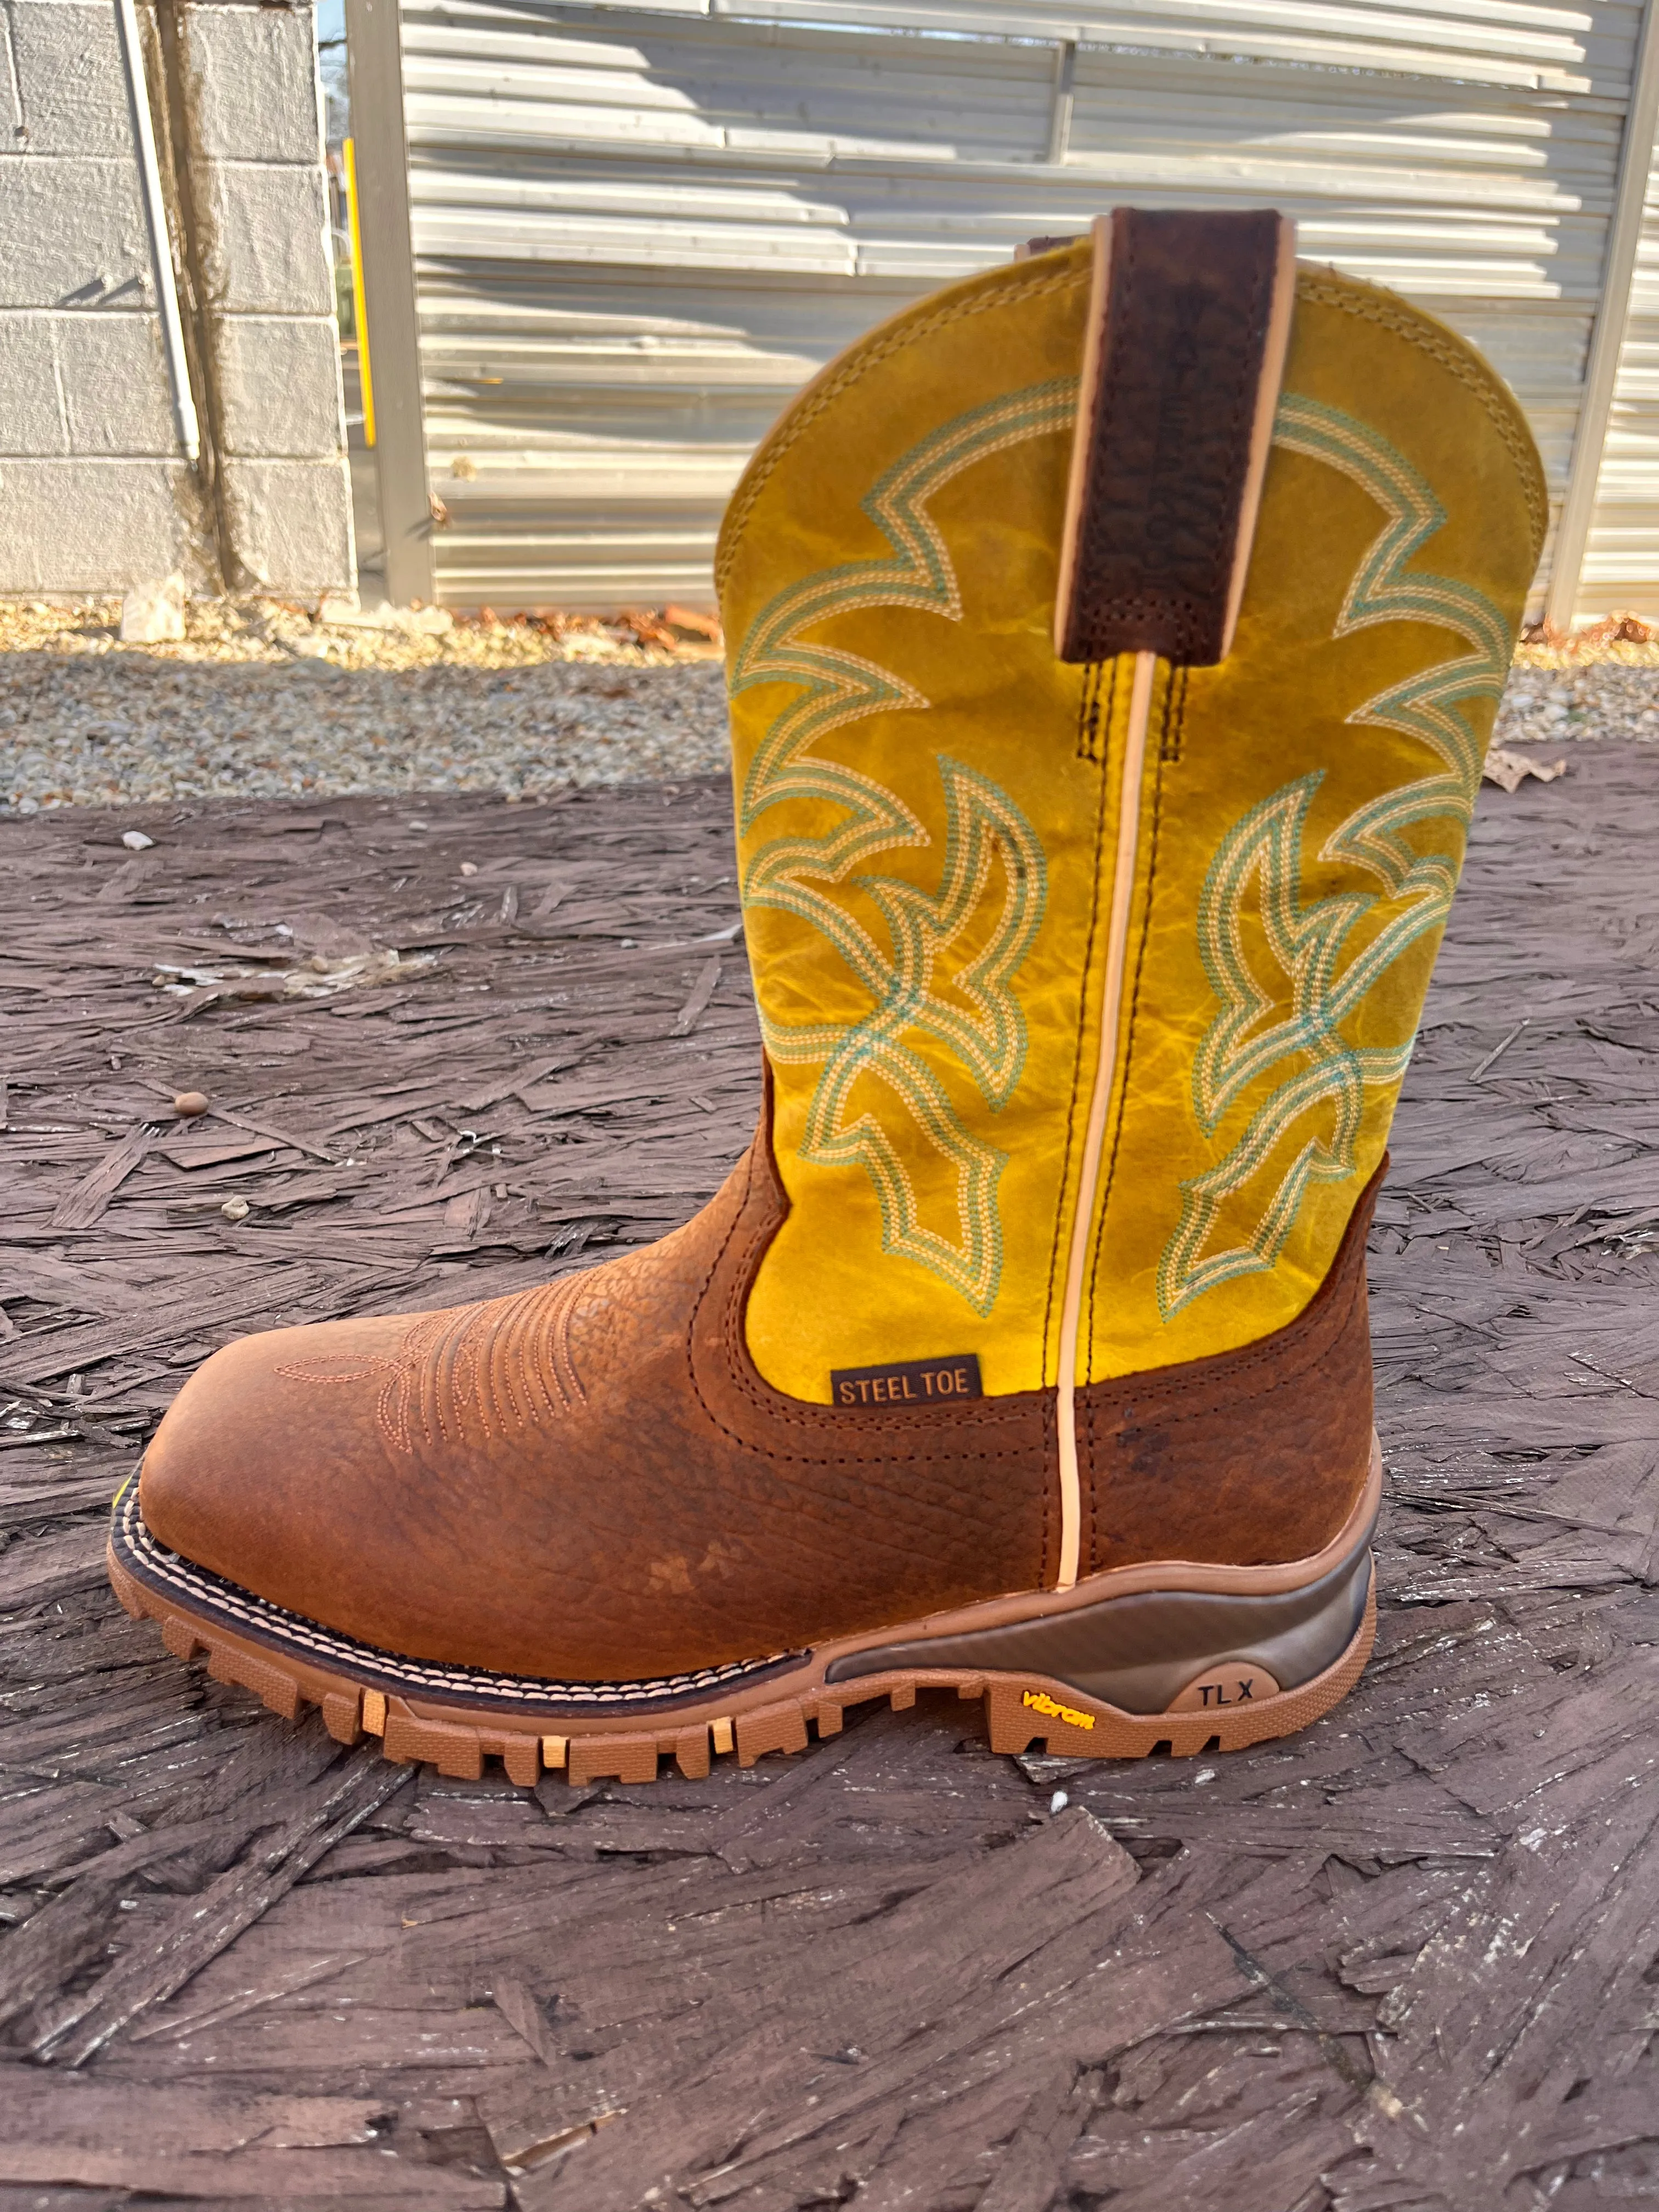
pixel 1093 868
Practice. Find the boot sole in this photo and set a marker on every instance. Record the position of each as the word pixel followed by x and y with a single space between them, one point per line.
pixel 1144 1630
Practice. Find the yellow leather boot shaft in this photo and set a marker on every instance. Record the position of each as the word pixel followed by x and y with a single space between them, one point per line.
pixel 1302 823
pixel 926 809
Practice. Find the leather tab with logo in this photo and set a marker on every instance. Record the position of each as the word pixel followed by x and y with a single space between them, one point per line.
pixel 908 1383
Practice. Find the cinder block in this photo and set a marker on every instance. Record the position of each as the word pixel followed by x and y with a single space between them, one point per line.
pixel 116 385
pixel 70 75
pixel 254 83
pixel 31 417
pixel 73 233
pixel 291 523
pixel 96 526
pixel 262 238
pixel 279 385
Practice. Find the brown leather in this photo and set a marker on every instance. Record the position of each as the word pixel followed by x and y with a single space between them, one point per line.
pixel 1251 1456
pixel 1155 522
pixel 590 1482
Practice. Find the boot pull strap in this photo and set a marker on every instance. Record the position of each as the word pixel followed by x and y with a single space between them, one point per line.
pixel 1189 318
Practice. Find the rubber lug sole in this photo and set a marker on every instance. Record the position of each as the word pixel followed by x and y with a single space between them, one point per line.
pixel 1022 1711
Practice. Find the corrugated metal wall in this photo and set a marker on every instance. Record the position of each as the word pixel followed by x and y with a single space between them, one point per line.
pixel 1621 562
pixel 637 231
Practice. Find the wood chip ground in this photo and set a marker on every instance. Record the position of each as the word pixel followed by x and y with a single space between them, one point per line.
pixel 1409 1959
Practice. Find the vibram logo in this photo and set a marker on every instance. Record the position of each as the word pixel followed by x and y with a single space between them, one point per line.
pixel 1041 1702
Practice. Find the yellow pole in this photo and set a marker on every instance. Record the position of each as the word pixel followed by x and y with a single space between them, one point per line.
pixel 359 311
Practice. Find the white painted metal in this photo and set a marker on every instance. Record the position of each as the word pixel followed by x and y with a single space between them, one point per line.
pixel 1624 232
pixel 155 222
pixel 636 232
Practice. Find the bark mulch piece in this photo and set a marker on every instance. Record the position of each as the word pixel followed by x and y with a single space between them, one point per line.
pixel 1407 1959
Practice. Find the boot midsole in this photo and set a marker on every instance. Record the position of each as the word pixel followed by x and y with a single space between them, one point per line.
pixel 1136 1651
pixel 1139 1653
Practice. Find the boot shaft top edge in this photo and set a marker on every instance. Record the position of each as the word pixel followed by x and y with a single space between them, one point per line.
pixel 1066 265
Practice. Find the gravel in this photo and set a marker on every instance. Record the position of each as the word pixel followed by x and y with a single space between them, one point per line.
pixel 1554 695
pixel 260 701
pixel 264 700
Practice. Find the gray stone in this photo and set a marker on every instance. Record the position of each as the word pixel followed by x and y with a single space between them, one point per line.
pixel 265 239
pixel 69 75
pixel 291 523
pixel 253 78
pixel 279 381
pixel 73 235
pixel 154 614
pixel 116 386
pixel 31 417
pixel 94 525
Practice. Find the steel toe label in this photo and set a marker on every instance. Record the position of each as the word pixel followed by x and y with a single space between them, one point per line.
pixel 910 1382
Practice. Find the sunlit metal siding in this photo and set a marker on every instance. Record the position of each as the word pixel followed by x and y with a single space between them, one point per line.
pixel 1621 562
pixel 636 234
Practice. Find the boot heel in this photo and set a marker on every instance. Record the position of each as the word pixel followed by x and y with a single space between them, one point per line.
pixel 1069 1725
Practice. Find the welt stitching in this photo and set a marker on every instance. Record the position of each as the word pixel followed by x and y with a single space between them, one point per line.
pixel 153 1562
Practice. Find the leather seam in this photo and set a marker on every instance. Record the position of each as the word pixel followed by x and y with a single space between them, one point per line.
pixel 1054 1256
pixel 870 356
pixel 1333 292
pixel 729 1328
pixel 1117 1128
pixel 1110 1175
pixel 1315 1352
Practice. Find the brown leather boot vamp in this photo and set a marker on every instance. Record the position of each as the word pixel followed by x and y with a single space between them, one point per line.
pixel 586 1508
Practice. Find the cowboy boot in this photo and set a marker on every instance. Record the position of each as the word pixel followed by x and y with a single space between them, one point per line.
pixel 1093 866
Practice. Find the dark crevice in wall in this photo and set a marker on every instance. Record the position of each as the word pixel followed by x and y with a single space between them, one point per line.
pixel 167 40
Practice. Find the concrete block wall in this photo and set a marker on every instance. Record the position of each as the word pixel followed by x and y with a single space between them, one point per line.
pixel 96 492
pixel 255 108
pixel 93 488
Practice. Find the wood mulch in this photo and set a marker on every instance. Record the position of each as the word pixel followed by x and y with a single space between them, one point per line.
pixel 1409 1959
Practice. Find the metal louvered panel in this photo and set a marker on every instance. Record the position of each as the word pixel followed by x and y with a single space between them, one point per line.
pixel 637 232
pixel 1621 562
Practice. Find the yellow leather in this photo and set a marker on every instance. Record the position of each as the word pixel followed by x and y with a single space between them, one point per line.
pixel 1374 395
pixel 926 809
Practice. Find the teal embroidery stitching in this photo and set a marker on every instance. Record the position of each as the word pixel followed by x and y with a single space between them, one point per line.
pixel 1308 943
pixel 837 687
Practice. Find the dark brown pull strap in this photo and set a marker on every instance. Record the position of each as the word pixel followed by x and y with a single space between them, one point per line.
pixel 1188 323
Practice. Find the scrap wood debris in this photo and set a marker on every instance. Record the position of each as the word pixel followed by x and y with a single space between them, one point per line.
pixel 313 976
pixel 1406 1959
pixel 1508 769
